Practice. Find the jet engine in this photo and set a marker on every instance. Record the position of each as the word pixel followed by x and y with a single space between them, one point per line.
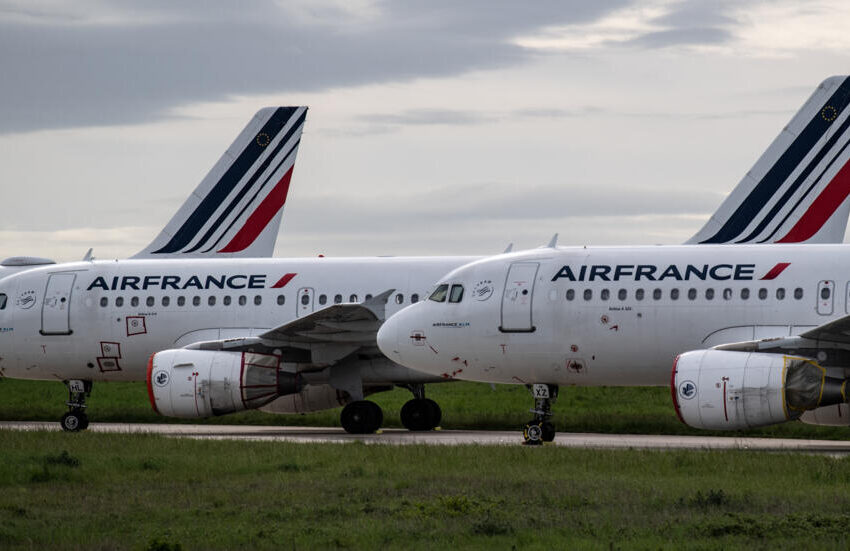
pixel 718 389
pixel 201 383
pixel 310 398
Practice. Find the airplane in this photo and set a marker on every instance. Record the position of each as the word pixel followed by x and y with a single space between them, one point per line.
pixel 755 334
pixel 311 324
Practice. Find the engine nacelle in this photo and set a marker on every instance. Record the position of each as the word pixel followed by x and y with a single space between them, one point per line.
pixel 311 398
pixel 718 389
pixel 833 416
pixel 202 383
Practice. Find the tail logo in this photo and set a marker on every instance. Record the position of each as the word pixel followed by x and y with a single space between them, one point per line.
pixel 775 271
pixel 263 139
pixel 829 113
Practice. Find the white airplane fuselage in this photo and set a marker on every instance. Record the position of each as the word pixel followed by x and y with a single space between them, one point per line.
pixel 615 315
pixel 102 320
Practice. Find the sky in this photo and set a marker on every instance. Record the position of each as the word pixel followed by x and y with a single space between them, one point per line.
pixel 435 128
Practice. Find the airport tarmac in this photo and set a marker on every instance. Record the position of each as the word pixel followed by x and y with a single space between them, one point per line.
pixel 452 437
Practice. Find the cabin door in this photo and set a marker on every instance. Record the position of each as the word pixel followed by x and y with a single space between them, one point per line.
pixel 56 307
pixel 516 300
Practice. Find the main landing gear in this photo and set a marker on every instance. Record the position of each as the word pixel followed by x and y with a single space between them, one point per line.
pixel 420 413
pixel 361 417
pixel 76 419
pixel 540 429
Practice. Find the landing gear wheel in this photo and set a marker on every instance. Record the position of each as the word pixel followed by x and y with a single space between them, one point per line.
pixel 548 431
pixel 532 433
pixel 74 421
pixel 361 417
pixel 420 414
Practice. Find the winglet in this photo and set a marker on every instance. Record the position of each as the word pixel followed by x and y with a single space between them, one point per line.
pixel 378 303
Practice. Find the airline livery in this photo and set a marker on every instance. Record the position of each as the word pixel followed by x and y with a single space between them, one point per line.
pixel 214 334
pixel 754 334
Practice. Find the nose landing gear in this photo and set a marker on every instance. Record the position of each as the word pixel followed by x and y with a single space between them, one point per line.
pixel 76 419
pixel 541 429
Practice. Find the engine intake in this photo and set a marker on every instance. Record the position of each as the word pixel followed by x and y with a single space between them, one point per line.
pixel 198 383
pixel 727 390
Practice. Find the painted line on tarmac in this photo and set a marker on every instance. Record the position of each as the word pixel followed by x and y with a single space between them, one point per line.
pixel 452 437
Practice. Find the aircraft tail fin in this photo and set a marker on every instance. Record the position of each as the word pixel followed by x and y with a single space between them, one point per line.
pixel 236 209
pixel 797 192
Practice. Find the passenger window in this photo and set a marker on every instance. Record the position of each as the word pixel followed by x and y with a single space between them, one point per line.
pixel 353 298
pixel 103 302
pixel 674 294
pixel 780 293
pixel 181 301
pixel 196 301
pixel 368 296
pixel 622 294
pixel 3 299
pixel 399 298
pixel 119 302
pixel 456 294
pixel 825 293
pixel 745 293
pixel 439 294
pixel 571 294
pixel 226 300
pixel 656 294
pixel 605 294
pixel 150 301
pixel 281 300
pixel 134 301
pixel 337 299
pixel 258 300
pixel 639 294
pixel 762 293
pixel 709 294
pixel 414 298
pixel 166 301
pixel 588 294
pixel 305 299
pixel 211 301
pixel 323 299
pixel 692 294
pixel 727 294
pixel 798 293
pixel 243 300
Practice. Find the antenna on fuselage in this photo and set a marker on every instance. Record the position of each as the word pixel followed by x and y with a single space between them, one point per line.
pixel 88 255
pixel 509 248
pixel 553 242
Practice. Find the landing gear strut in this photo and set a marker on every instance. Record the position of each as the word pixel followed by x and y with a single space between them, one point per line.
pixel 76 419
pixel 540 429
pixel 420 413
pixel 361 417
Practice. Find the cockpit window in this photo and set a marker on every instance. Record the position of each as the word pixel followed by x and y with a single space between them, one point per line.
pixel 456 294
pixel 2 301
pixel 439 294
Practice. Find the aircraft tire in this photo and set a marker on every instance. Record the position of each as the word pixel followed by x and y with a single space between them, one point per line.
pixel 361 417
pixel 548 431
pixel 532 433
pixel 420 414
pixel 74 421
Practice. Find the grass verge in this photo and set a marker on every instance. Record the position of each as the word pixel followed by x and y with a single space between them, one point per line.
pixel 98 491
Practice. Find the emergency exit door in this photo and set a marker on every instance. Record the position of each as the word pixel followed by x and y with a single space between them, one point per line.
pixel 516 300
pixel 826 296
pixel 56 306
pixel 304 304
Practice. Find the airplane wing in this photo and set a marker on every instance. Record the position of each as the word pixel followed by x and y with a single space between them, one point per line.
pixel 329 334
pixel 829 343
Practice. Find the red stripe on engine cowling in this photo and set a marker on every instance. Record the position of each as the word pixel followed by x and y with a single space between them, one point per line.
pixel 821 208
pixel 283 281
pixel 673 391
pixel 150 383
pixel 261 217
pixel 775 271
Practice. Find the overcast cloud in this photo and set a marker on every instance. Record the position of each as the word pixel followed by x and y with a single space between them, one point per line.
pixel 434 127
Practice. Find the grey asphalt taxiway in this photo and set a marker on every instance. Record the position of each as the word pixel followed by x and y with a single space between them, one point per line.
pixel 452 437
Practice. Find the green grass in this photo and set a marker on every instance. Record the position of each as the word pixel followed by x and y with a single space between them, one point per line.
pixel 640 410
pixel 100 491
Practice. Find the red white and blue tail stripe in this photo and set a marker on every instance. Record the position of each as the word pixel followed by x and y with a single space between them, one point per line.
pixel 797 192
pixel 237 208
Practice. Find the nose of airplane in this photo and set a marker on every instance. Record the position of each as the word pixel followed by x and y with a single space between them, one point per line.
pixel 388 338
